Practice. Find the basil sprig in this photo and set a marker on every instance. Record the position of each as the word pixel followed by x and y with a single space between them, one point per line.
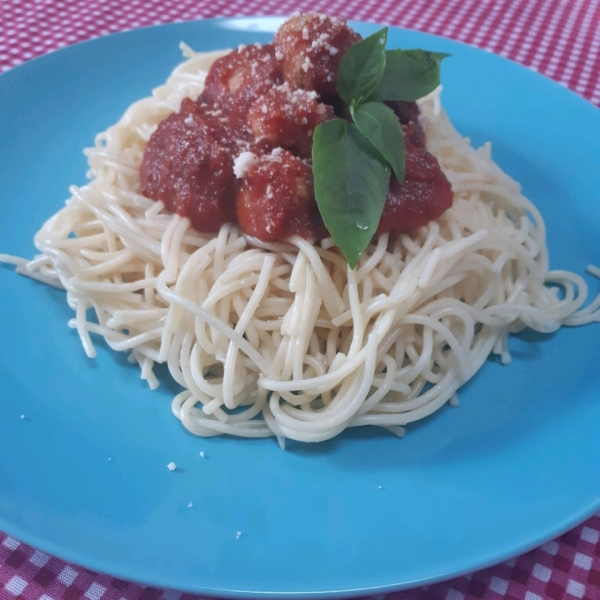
pixel 409 75
pixel 350 200
pixel 362 68
pixel 353 161
pixel 380 125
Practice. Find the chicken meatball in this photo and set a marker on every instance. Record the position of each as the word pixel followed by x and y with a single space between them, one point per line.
pixel 276 199
pixel 186 167
pixel 237 79
pixel 287 118
pixel 408 115
pixel 311 47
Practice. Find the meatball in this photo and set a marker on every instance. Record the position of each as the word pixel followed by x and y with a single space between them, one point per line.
pixel 234 81
pixel 405 111
pixel 225 126
pixel 189 170
pixel 277 199
pixel 408 115
pixel 311 47
pixel 287 119
pixel 425 195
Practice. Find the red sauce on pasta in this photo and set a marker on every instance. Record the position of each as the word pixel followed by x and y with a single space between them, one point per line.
pixel 241 152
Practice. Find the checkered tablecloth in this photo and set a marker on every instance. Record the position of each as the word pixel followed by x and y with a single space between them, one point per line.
pixel 558 38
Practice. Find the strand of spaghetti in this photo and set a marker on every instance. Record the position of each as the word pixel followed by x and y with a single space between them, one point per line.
pixel 369 262
pixel 192 370
pixel 383 386
pixel 195 422
pixel 217 324
pixel 22 269
pixel 240 328
pixel 175 313
pixel 116 340
pixel 407 283
pixel 319 384
pixel 331 297
pixel 81 325
pixel 347 401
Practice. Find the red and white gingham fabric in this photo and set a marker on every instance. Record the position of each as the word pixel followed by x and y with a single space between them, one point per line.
pixel 558 38
pixel 567 568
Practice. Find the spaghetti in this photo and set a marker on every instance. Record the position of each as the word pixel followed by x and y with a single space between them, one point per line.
pixel 283 338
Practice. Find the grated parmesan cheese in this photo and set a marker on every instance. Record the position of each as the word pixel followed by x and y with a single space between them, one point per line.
pixel 242 163
pixel 306 65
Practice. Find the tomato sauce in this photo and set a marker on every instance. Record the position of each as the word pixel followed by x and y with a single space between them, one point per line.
pixel 241 152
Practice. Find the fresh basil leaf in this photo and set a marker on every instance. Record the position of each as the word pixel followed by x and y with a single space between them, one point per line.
pixel 361 68
pixel 408 75
pixel 381 127
pixel 351 185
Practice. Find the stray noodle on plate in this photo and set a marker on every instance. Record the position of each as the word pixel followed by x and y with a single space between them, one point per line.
pixel 280 337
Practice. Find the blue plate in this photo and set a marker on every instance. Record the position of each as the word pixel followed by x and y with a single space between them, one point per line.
pixel 515 465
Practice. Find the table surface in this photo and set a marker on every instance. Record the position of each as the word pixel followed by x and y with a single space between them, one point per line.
pixel 558 38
